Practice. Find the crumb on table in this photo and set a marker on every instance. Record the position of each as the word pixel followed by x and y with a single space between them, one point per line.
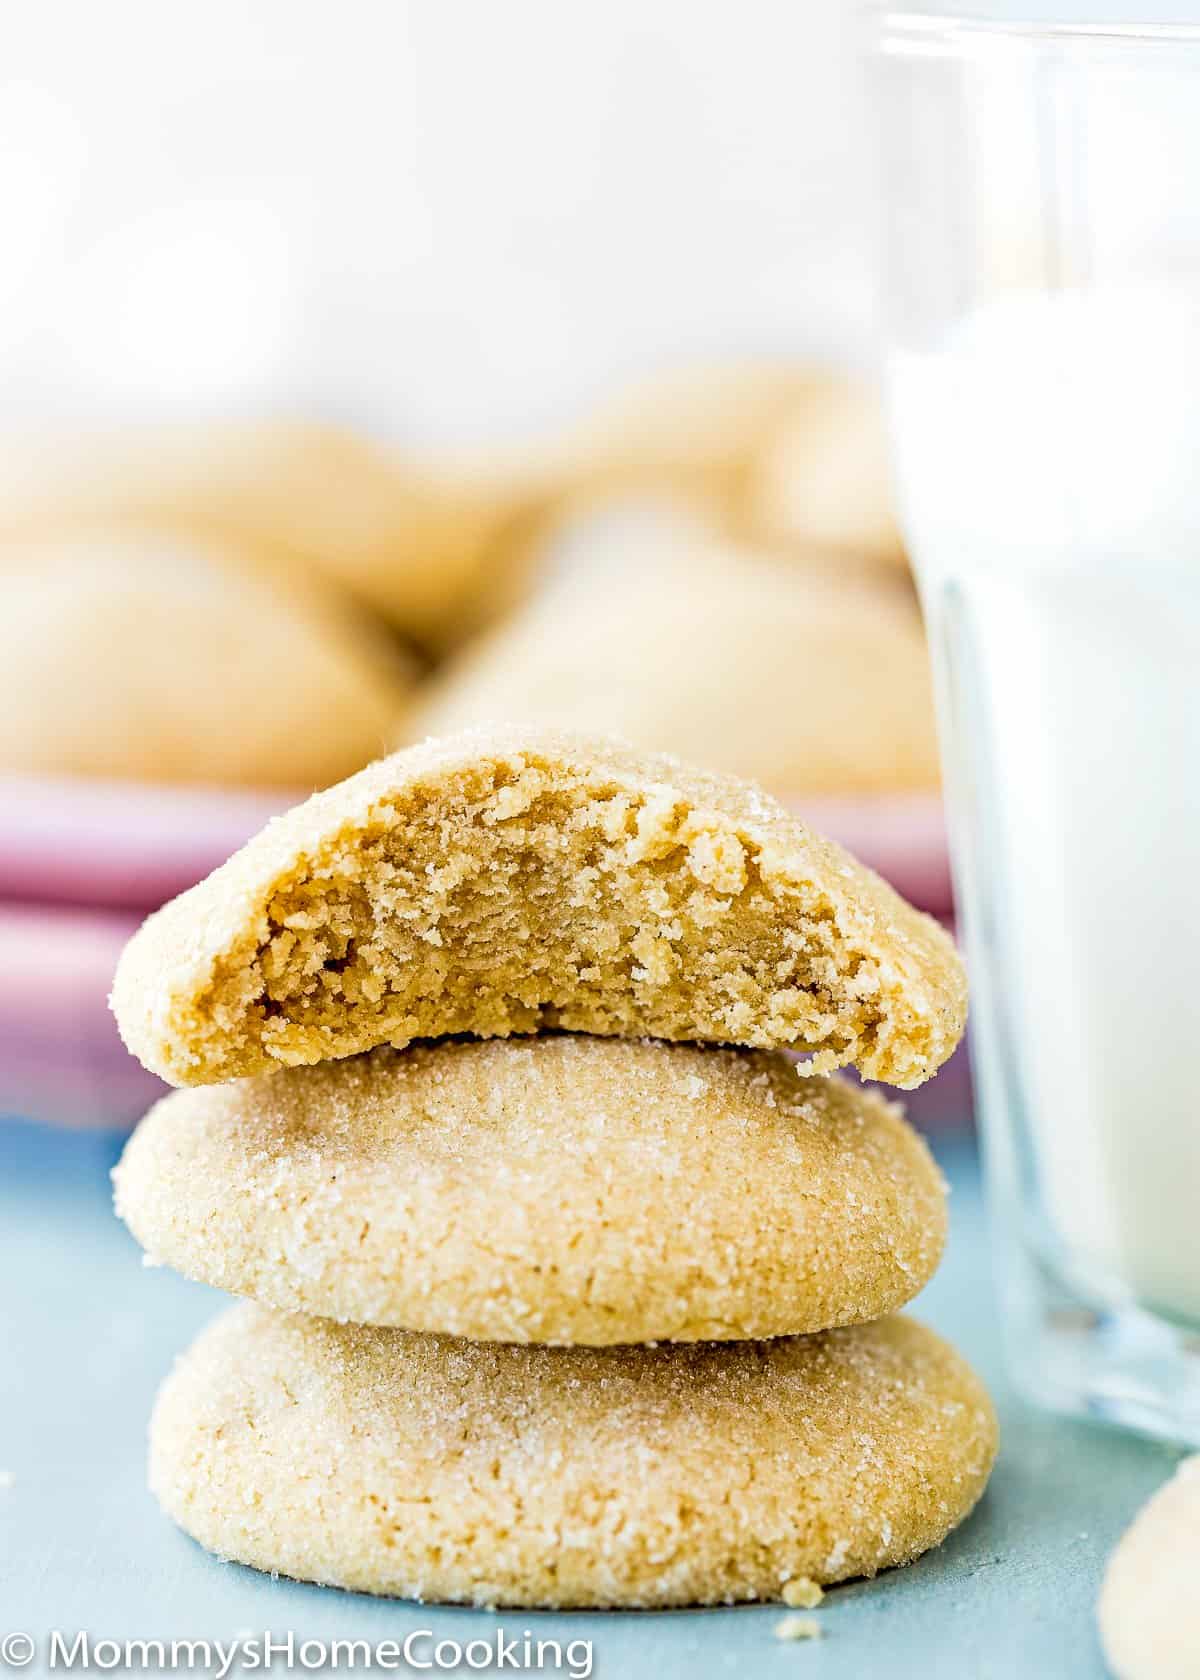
pixel 798 1627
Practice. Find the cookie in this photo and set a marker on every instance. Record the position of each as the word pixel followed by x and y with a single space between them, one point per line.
pixel 1149 1612
pixel 422 544
pixel 695 429
pixel 808 681
pixel 822 479
pixel 507 881
pixel 556 1189
pixel 154 659
pixel 474 1472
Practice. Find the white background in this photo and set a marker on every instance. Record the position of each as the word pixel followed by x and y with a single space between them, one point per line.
pixel 444 217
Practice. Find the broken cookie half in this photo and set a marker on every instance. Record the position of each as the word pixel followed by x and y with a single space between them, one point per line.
pixel 505 881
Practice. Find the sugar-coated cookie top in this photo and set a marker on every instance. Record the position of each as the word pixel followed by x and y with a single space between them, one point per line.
pixel 552 1189
pixel 507 880
pixel 434 1467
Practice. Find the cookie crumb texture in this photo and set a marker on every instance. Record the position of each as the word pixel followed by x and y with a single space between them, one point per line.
pixel 558 1189
pixel 427 1467
pixel 503 882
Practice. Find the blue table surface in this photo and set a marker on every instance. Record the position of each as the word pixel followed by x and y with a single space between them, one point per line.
pixel 86 1333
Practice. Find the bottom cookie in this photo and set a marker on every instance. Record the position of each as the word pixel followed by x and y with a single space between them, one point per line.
pixel 427 1467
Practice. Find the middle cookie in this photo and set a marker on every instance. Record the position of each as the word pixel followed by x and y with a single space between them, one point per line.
pixel 557 1189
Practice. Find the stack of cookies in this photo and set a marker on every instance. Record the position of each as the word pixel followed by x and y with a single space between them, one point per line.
pixel 565 1287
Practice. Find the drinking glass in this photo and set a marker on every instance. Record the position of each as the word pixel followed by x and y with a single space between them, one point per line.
pixel 1041 184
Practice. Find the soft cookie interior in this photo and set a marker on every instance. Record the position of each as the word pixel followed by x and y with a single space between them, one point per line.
pixel 499 884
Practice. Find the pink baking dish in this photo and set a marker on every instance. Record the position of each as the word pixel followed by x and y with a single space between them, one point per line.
pixel 82 862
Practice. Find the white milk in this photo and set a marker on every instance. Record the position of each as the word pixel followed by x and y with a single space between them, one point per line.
pixel 1056 524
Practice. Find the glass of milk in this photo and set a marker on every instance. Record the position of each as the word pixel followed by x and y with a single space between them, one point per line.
pixel 1041 188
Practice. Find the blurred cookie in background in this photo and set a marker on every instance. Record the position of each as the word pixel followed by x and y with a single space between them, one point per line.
pixel 652 628
pixel 441 546
pixel 691 433
pixel 159 659
pixel 421 545
pixel 821 479
pixel 694 431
